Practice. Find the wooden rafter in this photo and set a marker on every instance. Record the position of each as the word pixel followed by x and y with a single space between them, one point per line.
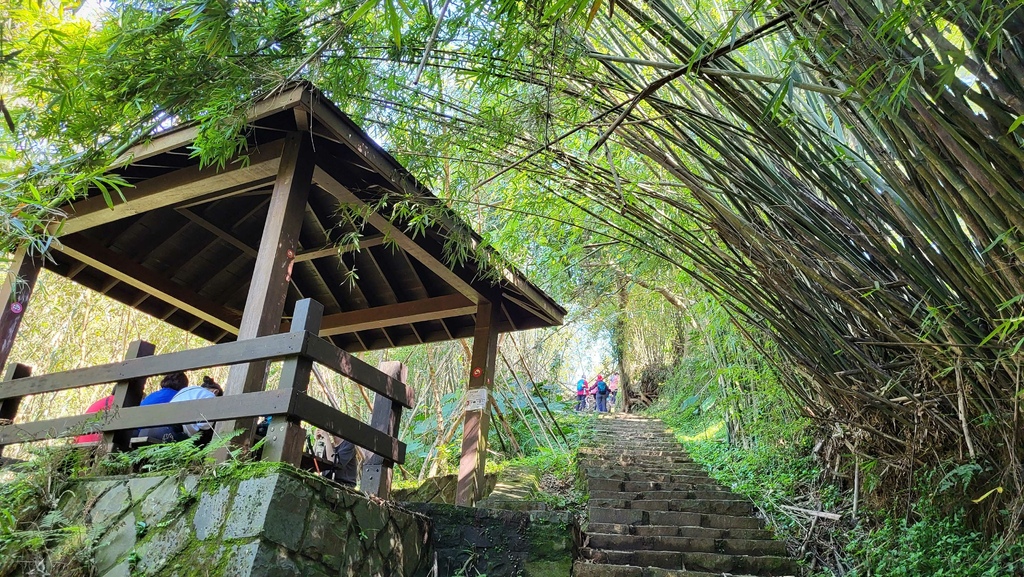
pixel 397 314
pixel 138 276
pixel 326 181
pixel 173 188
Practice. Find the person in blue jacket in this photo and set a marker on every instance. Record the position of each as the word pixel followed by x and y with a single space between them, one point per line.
pixel 169 386
pixel 581 393
pixel 601 391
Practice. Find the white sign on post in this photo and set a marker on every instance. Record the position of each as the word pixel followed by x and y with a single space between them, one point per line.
pixel 476 399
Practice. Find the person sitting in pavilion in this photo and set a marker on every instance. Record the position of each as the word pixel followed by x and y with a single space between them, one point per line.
pixel 99 406
pixel 202 431
pixel 170 385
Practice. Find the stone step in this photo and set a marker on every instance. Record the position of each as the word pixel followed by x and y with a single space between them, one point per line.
pixel 678 518
pixel 624 459
pixel 617 454
pixel 585 569
pixel 720 495
pixel 721 507
pixel 677 531
pixel 619 474
pixel 661 436
pixel 635 466
pixel 756 547
pixel 709 562
pixel 645 450
pixel 600 484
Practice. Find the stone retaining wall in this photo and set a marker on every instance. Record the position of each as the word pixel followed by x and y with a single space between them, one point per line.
pixel 499 543
pixel 273 524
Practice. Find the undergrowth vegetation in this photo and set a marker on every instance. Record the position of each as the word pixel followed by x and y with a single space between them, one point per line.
pixel 36 538
pixel 831 507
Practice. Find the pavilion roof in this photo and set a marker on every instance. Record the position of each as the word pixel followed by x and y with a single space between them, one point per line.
pixel 183 246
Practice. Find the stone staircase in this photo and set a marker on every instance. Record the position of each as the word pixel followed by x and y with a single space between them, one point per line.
pixel 655 513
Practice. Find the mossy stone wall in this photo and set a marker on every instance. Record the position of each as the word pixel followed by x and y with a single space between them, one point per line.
pixel 272 524
pixel 497 543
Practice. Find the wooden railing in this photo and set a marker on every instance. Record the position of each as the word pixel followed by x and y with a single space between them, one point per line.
pixel 288 405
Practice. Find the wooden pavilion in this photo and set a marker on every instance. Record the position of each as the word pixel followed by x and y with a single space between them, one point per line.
pixel 226 252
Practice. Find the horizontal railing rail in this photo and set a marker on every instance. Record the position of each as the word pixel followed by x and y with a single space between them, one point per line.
pixel 289 404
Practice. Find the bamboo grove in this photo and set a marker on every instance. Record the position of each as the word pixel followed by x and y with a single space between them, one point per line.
pixel 870 223
pixel 845 175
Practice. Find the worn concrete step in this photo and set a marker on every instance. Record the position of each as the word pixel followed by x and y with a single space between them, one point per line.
pixel 585 569
pixel 677 531
pixel 709 562
pixel 728 546
pixel 718 507
pixel 678 518
pixel 666 495
pixel 599 484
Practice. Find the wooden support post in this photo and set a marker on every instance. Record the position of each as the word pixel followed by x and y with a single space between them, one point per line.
pixel 9 407
pixel 376 478
pixel 476 420
pixel 264 304
pixel 285 437
pixel 17 288
pixel 127 394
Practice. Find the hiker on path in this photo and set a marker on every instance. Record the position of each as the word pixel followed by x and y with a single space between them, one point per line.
pixel 581 394
pixel 601 391
pixel 613 387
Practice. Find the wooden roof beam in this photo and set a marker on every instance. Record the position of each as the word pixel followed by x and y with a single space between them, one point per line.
pixel 184 136
pixel 172 188
pixel 144 279
pixel 216 230
pixel 327 182
pixel 364 244
pixel 397 314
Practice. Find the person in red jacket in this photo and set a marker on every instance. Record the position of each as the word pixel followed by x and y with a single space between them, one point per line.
pixel 98 406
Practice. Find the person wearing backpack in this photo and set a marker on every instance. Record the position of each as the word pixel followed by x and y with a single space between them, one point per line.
pixel 581 393
pixel 601 391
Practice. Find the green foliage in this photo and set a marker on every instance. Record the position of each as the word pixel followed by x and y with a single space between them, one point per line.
pixel 181 457
pixel 32 531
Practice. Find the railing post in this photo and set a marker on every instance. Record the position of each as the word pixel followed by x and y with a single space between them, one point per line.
pixel 127 394
pixel 285 437
pixel 376 479
pixel 9 407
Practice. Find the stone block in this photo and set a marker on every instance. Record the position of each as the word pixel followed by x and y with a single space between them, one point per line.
pixel 210 513
pixel 162 546
pixel 249 507
pixel 241 558
pixel 285 520
pixel 119 570
pixel 139 486
pixel 325 536
pixel 369 519
pixel 160 501
pixel 108 507
pixel 274 561
pixel 119 541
